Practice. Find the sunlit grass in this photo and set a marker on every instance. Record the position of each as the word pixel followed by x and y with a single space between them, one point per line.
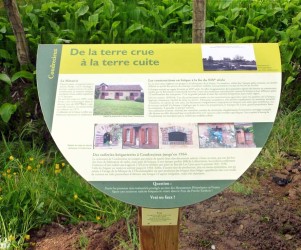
pixel 118 107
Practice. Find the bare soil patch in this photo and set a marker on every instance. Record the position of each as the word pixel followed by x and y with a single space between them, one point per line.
pixel 269 218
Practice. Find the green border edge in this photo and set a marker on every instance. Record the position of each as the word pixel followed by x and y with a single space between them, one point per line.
pixel 48 65
pixel 144 200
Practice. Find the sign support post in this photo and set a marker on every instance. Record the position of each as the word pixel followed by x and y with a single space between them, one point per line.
pixel 154 235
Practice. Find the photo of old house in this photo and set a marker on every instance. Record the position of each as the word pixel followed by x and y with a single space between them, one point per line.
pixel 244 135
pixel 178 135
pixel 118 99
pixel 228 57
pixel 216 135
pixel 107 136
pixel 142 136
pixel 118 92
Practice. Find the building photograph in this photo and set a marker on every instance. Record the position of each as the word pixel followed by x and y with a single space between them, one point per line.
pixel 118 99
pixel 178 135
pixel 107 136
pixel 228 57
pixel 118 92
pixel 143 136
pixel 244 135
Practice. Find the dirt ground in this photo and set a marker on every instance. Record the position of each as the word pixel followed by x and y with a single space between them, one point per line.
pixel 269 218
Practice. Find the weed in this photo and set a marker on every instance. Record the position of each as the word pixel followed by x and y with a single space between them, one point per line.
pixel 241 188
pixel 133 242
pixel 265 219
pixel 205 243
pixel 245 245
pixel 284 138
pixel 238 210
pixel 82 242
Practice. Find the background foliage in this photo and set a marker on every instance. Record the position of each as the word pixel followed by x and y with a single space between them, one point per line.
pixel 26 150
pixel 132 21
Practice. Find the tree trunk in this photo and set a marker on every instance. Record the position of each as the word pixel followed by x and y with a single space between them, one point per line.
pixel 16 23
pixel 199 21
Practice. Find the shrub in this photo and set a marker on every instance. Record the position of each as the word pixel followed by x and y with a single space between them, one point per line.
pixel 139 99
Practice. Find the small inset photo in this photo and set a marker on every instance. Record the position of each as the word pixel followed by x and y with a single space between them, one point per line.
pixel 244 135
pixel 228 57
pixel 118 99
pixel 140 136
pixel 178 135
pixel 107 136
pixel 216 135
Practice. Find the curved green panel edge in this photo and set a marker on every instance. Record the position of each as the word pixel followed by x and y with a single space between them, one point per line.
pixel 262 131
pixel 48 65
pixel 163 196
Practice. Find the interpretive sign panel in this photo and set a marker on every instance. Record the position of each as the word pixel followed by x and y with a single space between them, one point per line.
pixel 160 125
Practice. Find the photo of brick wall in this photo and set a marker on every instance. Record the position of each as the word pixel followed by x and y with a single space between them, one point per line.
pixel 244 135
pixel 140 136
pixel 107 136
pixel 178 135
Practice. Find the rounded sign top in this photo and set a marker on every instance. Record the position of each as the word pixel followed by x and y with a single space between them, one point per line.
pixel 160 125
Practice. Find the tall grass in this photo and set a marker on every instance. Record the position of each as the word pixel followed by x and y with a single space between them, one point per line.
pixel 37 188
pixel 283 142
pixel 284 139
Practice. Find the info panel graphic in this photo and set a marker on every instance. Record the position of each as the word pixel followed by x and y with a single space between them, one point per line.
pixel 159 125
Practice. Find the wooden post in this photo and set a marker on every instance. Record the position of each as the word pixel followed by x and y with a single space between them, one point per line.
pixel 158 237
pixel 199 21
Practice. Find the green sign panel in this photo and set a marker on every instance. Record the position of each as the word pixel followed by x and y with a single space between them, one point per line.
pixel 160 125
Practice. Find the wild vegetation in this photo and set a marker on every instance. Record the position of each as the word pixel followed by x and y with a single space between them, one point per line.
pixel 26 150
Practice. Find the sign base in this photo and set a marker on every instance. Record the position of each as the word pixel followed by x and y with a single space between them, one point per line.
pixel 159 228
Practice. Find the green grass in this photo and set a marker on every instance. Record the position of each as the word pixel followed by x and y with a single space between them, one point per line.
pixel 118 107
pixel 241 188
pixel 82 242
pixel 37 188
pixel 133 238
pixel 285 138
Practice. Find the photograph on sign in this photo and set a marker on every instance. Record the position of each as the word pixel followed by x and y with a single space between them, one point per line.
pixel 160 125
pixel 230 57
pixel 119 99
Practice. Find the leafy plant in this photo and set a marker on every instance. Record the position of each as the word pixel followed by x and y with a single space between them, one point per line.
pixel 235 21
pixel 7 109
